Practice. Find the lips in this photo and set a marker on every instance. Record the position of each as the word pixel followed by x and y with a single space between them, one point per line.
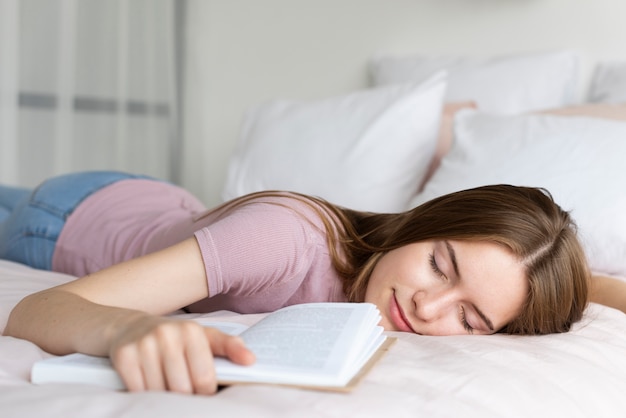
pixel 397 316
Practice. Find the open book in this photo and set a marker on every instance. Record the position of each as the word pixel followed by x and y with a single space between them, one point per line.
pixel 316 345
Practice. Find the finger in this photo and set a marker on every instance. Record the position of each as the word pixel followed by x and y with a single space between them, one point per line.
pixel 151 366
pixel 228 346
pixel 237 352
pixel 201 365
pixel 175 367
pixel 126 361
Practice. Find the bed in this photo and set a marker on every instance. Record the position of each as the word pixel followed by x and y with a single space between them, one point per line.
pixel 578 374
pixel 427 126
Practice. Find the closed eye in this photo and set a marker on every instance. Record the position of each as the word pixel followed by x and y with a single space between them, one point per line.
pixel 464 322
pixel 435 267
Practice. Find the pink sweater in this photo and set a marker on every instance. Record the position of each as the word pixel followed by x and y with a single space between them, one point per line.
pixel 258 257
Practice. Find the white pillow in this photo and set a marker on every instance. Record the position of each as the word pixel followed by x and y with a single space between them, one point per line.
pixel 579 160
pixel 608 84
pixel 505 84
pixel 368 150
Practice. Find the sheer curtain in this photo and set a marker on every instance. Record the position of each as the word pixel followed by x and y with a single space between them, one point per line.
pixel 85 85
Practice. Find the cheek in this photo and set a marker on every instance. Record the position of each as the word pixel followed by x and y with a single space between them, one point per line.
pixel 512 299
pixel 443 327
pixel 401 265
pixel 373 288
pixel 517 291
pixel 379 274
pixel 519 300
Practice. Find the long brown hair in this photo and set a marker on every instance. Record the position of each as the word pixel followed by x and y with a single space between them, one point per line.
pixel 524 220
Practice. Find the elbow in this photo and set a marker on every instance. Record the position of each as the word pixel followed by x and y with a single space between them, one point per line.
pixel 18 320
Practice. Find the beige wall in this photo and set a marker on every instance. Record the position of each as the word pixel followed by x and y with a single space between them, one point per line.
pixel 243 52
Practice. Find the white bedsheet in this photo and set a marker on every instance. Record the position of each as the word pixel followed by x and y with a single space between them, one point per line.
pixel 578 374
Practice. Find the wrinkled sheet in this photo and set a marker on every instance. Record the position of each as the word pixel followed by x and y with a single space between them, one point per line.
pixel 578 374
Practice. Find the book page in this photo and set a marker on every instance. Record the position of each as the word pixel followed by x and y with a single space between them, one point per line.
pixel 322 342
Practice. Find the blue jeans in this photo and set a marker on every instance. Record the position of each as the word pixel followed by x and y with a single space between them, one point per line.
pixel 31 220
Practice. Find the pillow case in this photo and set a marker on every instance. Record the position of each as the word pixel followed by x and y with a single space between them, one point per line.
pixel 368 150
pixel 446 133
pixel 579 160
pixel 506 84
pixel 608 83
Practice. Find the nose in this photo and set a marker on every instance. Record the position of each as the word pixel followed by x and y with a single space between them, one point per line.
pixel 433 305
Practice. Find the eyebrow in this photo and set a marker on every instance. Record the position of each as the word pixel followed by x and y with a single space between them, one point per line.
pixel 484 318
pixel 452 255
pixel 455 266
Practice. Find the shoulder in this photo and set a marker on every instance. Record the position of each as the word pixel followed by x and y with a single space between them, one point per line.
pixel 286 206
pixel 268 218
pixel 265 244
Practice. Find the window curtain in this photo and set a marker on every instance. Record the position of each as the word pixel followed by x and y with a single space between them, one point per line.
pixel 88 85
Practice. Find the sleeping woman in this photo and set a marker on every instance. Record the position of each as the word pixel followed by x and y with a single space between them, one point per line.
pixel 491 259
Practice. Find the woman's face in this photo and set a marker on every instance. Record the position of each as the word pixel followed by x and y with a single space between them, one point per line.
pixel 448 288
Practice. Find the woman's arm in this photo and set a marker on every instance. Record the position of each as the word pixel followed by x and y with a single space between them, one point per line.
pixel 116 312
pixel 609 291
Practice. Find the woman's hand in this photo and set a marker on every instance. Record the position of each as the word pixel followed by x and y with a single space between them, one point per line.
pixel 155 353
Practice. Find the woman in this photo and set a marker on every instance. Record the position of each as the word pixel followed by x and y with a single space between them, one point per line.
pixel 491 259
